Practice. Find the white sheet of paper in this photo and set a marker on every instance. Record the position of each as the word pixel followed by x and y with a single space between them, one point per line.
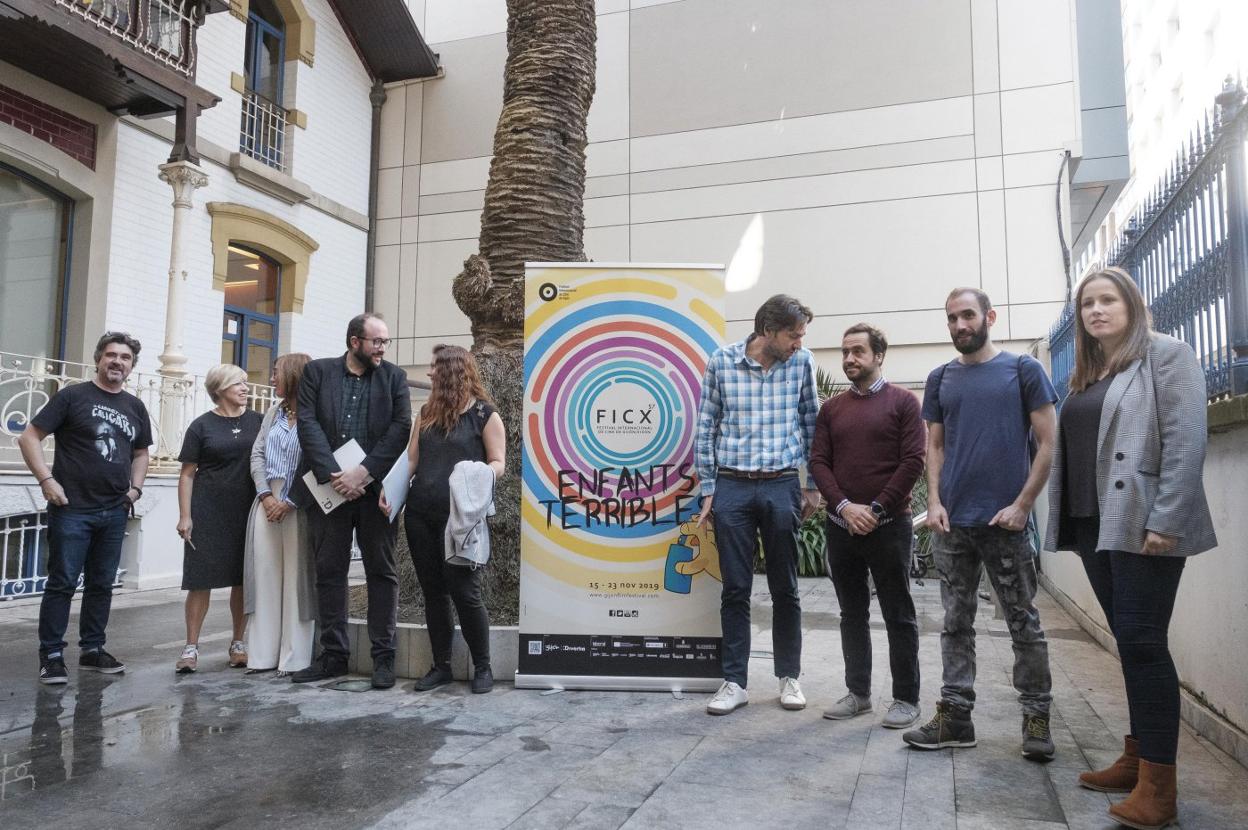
pixel 327 498
pixel 394 485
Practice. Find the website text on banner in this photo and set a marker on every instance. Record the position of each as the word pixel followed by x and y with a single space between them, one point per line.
pixel 619 589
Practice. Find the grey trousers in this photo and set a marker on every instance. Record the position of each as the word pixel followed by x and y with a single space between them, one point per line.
pixel 1010 562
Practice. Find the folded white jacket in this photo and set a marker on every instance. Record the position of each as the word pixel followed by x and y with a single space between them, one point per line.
pixel 467 538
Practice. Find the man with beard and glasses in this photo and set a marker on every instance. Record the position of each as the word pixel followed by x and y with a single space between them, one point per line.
pixel 756 420
pixel 356 396
pixel 102 439
pixel 983 410
pixel 867 454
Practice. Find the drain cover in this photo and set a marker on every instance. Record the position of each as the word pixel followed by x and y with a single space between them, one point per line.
pixel 351 685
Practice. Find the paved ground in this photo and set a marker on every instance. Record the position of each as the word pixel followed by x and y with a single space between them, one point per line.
pixel 218 749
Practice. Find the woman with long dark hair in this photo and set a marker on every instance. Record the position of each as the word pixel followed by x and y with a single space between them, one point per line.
pixel 1126 494
pixel 458 423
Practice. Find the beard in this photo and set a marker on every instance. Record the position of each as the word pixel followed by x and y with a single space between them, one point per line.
pixel 976 341
pixel 364 356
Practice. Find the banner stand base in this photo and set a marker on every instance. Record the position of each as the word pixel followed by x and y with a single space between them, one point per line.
pixel 595 683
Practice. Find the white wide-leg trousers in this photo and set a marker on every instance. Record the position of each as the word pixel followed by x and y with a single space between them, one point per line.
pixel 276 637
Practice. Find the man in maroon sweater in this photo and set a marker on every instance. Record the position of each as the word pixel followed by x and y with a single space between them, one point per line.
pixel 867 454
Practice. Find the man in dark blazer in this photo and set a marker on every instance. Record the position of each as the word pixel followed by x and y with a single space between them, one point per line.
pixel 356 396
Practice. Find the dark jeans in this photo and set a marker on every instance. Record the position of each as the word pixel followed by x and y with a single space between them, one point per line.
pixel 443 584
pixel 885 555
pixel 83 543
pixel 742 511
pixel 1137 594
pixel 961 555
pixel 330 537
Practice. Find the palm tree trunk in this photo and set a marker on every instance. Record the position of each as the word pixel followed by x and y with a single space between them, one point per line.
pixel 534 212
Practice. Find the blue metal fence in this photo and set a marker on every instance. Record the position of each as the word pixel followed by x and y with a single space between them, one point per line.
pixel 1187 248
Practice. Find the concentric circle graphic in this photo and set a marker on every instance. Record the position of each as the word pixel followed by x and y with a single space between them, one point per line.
pixel 612 387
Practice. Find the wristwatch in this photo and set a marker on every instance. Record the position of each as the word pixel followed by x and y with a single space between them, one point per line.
pixel 877 510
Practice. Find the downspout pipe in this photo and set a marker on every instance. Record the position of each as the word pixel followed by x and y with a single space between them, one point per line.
pixel 376 97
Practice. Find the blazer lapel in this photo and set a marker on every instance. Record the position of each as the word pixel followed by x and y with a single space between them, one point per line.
pixel 1113 397
pixel 337 374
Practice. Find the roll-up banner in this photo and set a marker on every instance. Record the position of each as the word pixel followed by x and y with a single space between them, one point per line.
pixel 619 588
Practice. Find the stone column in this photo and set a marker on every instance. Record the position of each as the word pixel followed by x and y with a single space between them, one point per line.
pixel 176 404
pixel 183 177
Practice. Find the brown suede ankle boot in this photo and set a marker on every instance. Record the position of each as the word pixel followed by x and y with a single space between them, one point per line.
pixel 1151 805
pixel 1120 776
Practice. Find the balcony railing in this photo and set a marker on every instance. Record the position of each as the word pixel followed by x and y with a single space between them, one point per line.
pixel 162 29
pixel 24 556
pixel 262 134
pixel 28 383
pixel 1187 248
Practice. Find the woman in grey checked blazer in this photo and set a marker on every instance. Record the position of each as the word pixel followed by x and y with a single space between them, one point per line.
pixel 1126 494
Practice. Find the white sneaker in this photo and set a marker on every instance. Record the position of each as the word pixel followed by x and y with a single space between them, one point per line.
pixel 791 696
pixel 729 698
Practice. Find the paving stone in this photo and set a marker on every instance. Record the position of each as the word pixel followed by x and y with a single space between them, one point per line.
pixel 701 805
pixel 877 802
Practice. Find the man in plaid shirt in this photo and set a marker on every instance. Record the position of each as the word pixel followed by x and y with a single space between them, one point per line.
pixel 756 421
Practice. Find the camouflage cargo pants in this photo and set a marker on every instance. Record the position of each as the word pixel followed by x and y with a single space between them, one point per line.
pixel 1010 562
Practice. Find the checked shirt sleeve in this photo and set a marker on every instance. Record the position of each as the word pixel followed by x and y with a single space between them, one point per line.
pixel 808 414
pixel 710 410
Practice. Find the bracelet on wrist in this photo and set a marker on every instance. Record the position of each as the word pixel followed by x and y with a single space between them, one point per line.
pixel 46 478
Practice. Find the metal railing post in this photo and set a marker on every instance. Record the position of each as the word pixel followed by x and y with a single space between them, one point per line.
pixel 1231 102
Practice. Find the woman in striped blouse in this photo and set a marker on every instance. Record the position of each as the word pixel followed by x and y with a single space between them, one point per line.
pixel 278 588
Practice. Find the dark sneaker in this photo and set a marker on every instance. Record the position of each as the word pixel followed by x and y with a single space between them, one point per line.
pixel 482 681
pixel 383 672
pixel 435 677
pixel 52 671
pixel 949 727
pixel 324 667
pixel 101 661
pixel 1037 742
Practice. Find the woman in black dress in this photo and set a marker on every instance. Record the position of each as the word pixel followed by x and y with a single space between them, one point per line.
pixel 215 492
pixel 458 423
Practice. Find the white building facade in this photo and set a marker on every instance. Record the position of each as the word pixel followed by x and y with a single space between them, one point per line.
pixel 890 151
pixel 269 250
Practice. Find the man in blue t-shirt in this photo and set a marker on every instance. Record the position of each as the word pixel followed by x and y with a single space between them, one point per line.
pixel 988 412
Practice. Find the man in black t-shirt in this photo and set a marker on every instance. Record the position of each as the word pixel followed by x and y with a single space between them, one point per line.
pixel 102 439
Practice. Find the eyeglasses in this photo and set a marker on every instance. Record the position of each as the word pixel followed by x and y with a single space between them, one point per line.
pixel 378 342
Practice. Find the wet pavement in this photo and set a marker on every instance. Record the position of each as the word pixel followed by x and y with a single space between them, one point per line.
pixel 220 749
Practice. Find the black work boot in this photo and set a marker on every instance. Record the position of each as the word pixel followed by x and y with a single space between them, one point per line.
pixel 949 727
pixel 1037 742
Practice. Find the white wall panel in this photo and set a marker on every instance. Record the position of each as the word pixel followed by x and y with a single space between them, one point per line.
pixel 437 315
pixel 458 19
pixel 1035 253
pixel 1040 118
pixel 447 226
pixel 1028 169
pixel 993 260
pixel 810 192
pixel 454 176
pixel 989 173
pixel 608 115
pixel 858 128
pixel 1035 42
pixel 985 51
pixel 988 124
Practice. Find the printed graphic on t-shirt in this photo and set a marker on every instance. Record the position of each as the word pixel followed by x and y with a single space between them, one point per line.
pixel 114 434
